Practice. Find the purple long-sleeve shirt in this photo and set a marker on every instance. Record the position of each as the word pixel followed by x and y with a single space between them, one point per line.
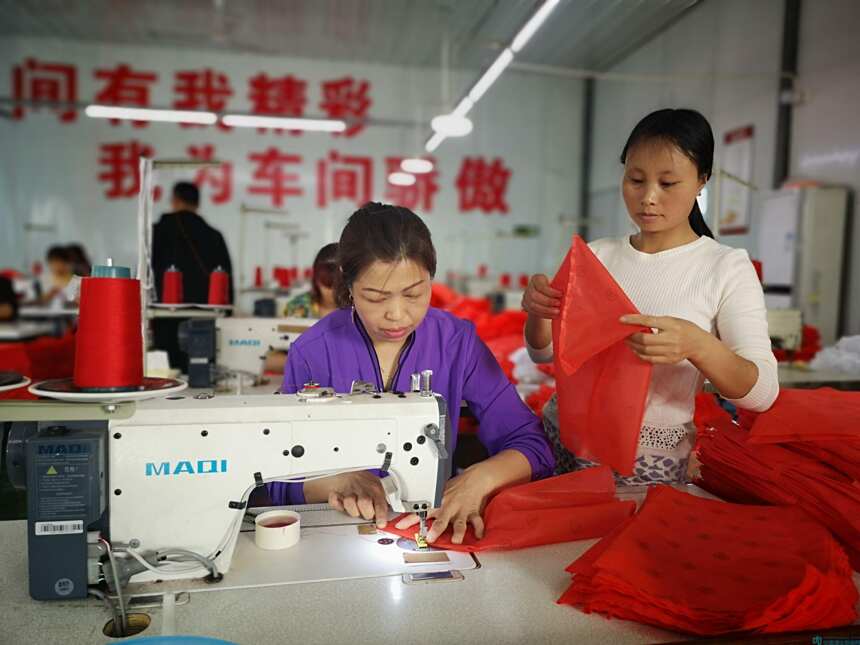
pixel 337 351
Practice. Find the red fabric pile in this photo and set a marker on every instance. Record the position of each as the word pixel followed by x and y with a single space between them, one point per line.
pixel 602 385
pixel 42 358
pixel 502 332
pixel 804 451
pixel 577 506
pixel 810 345
pixel 539 398
pixel 707 567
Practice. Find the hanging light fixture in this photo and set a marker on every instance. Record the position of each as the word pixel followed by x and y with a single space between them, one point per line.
pixel 416 165
pixel 401 179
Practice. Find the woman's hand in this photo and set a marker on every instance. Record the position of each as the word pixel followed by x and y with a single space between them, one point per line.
pixel 673 341
pixel 540 299
pixel 359 494
pixel 462 504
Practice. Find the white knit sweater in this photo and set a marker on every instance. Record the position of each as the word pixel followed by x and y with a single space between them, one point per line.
pixel 704 282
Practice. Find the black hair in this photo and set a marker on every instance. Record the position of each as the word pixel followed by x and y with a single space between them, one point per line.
pixel 688 131
pixel 380 232
pixel 324 271
pixel 79 259
pixel 187 193
pixel 58 253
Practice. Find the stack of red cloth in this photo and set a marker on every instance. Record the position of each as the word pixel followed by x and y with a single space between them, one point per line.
pixel 708 567
pixel 804 451
pixel 578 506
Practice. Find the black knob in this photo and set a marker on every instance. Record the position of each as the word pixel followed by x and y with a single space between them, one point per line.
pixel 297 451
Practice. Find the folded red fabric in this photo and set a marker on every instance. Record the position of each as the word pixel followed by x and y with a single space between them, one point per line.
pixel 810 475
pixel 602 384
pixel 823 414
pixel 576 506
pixel 708 567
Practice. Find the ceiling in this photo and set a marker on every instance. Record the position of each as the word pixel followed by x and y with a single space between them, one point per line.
pixel 589 34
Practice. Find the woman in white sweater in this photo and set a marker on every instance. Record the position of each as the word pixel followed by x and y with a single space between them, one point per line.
pixel 702 299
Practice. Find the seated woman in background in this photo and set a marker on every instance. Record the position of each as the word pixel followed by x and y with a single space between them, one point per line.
pixel 8 301
pixel 61 270
pixel 319 301
pixel 81 265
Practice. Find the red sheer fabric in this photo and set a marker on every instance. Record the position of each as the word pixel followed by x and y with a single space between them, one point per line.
pixel 577 506
pixel 602 385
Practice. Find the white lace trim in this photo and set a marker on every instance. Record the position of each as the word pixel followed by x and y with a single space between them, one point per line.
pixel 662 438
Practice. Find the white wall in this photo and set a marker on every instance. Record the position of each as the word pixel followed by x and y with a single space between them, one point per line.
pixel 826 128
pixel 740 42
pixel 736 41
pixel 48 170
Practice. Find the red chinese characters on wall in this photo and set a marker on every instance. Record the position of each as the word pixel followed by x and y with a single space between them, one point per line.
pixel 205 90
pixel 273 175
pixel 35 81
pixel 217 178
pixel 284 96
pixel 344 177
pixel 482 185
pixel 120 167
pixel 348 99
pixel 419 196
pixel 122 85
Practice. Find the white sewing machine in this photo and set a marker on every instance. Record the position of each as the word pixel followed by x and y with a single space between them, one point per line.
pixel 242 343
pixel 176 473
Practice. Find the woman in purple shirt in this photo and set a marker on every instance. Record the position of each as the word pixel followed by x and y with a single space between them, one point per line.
pixel 385 331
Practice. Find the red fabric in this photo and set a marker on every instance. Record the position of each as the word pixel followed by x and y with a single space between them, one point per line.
pixel 602 384
pixel 824 414
pixel 502 347
pixel 52 357
pixel 707 567
pixel 14 358
pixel 539 398
pixel 441 296
pixel 801 474
pixel 576 506
pixel 475 309
pixel 507 323
pixel 708 411
pixel 810 345
pixel 42 358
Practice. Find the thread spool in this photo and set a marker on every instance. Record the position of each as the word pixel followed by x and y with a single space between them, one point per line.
pixel 309 273
pixel 219 287
pixel 505 280
pixel 524 280
pixel 108 344
pixel 172 293
pixel 258 277
pixel 482 271
pixel 277 530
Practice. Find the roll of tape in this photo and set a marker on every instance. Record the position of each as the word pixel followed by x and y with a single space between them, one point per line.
pixel 277 530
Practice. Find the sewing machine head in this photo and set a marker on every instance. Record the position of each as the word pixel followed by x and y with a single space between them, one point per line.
pixel 177 473
pixel 242 343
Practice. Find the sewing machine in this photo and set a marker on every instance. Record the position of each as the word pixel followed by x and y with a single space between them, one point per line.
pixel 235 346
pixel 242 343
pixel 116 491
